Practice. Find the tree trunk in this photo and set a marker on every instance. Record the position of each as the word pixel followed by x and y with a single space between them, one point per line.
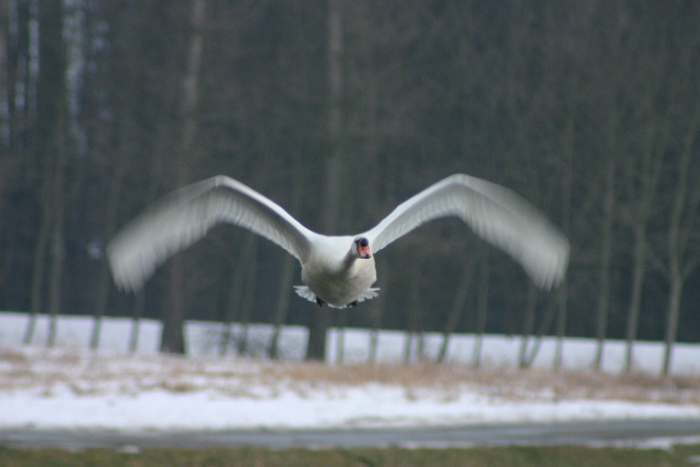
pixel 248 298
pixel 235 299
pixel 320 322
pixel 50 90
pixel 289 263
pixel 414 312
pixel 528 324
pixel 377 310
pixel 645 169
pixel 681 226
pixel 545 325
pixel 111 223
pixel 5 73
pixel 39 262
pixel 481 307
pixel 283 296
pixel 334 165
pixel 562 292
pixel 139 304
pixel 155 181
pixel 674 306
pixel 563 309
pixel 58 195
pixel 340 342
pixel 638 269
pixel 115 187
pixel 605 260
pixel 172 340
pixel 58 248
pixel 57 257
pixel 172 335
pixel 457 306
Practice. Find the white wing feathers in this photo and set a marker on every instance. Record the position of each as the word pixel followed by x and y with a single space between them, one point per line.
pixel 186 215
pixel 495 213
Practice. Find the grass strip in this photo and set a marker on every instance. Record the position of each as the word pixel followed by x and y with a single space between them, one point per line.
pixel 559 456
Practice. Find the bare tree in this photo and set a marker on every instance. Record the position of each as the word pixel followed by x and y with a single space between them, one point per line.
pixel 5 92
pixel 682 238
pixel 528 324
pixel 334 163
pixel 641 213
pixel 57 252
pixel 458 305
pixel 377 310
pixel 606 250
pixel 482 305
pixel 50 149
pixel 39 263
pixel 173 323
pixel 111 212
pixel 641 180
pixel 236 293
pixel 562 293
pixel 414 327
pixel 553 306
pixel 248 299
pixel 289 266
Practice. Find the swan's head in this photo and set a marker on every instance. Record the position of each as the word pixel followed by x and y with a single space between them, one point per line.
pixel 361 248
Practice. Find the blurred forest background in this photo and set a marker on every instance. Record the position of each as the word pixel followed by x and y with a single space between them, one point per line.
pixel 338 110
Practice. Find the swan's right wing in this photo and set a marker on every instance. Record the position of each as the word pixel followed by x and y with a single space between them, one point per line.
pixel 186 215
pixel 495 213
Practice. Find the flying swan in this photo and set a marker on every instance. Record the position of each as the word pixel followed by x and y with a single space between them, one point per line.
pixel 336 270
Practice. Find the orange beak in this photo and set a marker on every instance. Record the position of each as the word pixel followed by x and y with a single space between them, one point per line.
pixel 363 251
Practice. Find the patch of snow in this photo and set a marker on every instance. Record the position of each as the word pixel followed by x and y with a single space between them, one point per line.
pixel 70 387
pixel 497 351
pixel 366 406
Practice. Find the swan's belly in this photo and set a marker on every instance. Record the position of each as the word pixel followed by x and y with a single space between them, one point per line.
pixel 341 289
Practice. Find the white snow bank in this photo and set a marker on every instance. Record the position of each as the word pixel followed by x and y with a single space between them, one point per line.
pixel 203 339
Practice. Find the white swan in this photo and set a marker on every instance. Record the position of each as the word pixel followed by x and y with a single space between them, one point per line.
pixel 337 270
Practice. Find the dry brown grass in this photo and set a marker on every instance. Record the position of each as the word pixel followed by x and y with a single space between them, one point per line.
pixel 12 357
pixel 508 383
pixel 85 373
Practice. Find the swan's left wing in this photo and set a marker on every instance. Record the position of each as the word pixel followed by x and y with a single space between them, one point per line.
pixel 495 213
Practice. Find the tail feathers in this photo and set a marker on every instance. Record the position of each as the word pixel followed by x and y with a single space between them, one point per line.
pixel 369 294
pixel 304 292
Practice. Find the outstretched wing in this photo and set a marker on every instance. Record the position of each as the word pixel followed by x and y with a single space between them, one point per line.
pixel 495 213
pixel 186 215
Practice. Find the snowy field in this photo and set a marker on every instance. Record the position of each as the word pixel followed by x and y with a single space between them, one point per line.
pixel 71 387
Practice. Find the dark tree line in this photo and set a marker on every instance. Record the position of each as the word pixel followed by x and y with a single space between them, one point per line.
pixel 339 110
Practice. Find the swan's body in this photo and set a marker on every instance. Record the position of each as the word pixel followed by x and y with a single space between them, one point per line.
pixel 337 280
pixel 337 270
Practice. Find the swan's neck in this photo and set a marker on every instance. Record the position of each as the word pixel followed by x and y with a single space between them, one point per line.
pixel 349 261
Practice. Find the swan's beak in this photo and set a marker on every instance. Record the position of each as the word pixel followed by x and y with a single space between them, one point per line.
pixel 363 248
pixel 363 252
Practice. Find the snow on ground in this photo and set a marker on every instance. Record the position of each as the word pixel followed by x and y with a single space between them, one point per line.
pixel 203 338
pixel 71 387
